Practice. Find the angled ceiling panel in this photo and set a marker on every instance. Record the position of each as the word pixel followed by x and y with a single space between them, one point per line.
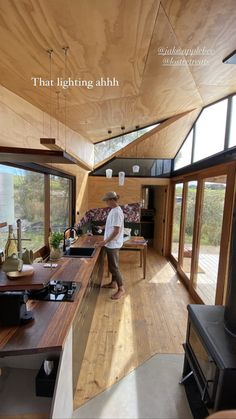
pixel 167 89
pixel 207 29
pixel 119 39
pixel 165 141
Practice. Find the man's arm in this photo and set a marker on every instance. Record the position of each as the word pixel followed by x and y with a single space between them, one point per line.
pixel 116 230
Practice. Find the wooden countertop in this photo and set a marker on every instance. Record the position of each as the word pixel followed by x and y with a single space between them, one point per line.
pixel 52 320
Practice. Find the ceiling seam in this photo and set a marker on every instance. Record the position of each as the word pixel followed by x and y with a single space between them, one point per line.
pixel 179 43
pixel 145 63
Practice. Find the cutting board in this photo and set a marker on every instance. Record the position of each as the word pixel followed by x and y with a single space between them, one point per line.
pixel 40 277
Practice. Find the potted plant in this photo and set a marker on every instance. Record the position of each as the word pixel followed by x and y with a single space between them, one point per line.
pixel 56 245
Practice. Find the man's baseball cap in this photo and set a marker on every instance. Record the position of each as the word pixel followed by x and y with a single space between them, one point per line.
pixel 110 195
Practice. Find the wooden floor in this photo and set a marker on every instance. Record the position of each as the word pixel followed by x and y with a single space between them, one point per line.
pixel 151 318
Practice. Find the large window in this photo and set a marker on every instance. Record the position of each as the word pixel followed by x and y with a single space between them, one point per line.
pixel 213 132
pixel 183 158
pixel 105 149
pixel 23 196
pixel 210 131
pixel 59 202
pixel 232 133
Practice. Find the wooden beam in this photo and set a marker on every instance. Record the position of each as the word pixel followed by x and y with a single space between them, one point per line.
pixel 50 143
pixel 3 224
pixel 16 154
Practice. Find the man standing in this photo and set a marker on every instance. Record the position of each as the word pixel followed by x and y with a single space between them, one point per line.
pixel 113 241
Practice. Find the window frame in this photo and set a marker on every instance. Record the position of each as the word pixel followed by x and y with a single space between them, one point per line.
pixel 219 154
pixel 47 171
pixel 228 169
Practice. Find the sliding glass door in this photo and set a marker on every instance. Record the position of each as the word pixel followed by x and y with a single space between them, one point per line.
pixel 188 226
pixel 178 199
pixel 202 205
pixel 210 230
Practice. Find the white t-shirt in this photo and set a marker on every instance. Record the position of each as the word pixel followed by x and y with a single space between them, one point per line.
pixel 115 218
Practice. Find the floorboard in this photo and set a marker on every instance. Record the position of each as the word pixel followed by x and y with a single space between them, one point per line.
pixel 151 318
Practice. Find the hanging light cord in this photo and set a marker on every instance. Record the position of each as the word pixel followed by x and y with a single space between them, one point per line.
pixel 58 108
pixel 65 49
pixel 50 51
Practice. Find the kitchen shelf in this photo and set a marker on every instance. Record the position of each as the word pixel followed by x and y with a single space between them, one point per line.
pixel 18 399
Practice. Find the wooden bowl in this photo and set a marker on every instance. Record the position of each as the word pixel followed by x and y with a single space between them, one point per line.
pixel 27 270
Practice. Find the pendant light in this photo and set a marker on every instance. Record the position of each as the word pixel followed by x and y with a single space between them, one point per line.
pixel 121 175
pixel 49 139
pixel 121 178
pixel 109 171
pixel 135 167
pixel 65 49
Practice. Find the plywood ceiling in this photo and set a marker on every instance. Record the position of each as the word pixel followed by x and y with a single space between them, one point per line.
pixel 120 39
pixel 164 141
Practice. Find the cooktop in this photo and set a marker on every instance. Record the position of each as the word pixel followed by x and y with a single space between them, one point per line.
pixel 56 291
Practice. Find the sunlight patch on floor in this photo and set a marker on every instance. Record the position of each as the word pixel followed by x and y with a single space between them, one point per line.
pixel 164 275
pixel 124 341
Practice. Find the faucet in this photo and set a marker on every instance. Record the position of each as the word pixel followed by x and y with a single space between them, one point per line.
pixel 71 236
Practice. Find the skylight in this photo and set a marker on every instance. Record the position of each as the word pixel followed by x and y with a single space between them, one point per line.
pixel 106 148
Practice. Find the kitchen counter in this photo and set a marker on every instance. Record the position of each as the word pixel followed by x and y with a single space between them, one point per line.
pixel 52 320
pixel 58 332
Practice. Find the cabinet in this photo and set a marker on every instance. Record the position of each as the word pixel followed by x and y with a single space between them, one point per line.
pixel 84 316
pixel 59 331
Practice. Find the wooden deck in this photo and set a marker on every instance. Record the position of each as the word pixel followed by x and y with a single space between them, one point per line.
pixel 151 318
pixel 206 278
pixel 207 271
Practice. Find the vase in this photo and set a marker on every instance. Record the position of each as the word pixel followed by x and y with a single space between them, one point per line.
pixel 55 252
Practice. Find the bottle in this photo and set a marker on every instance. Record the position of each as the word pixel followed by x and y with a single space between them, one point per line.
pixel 11 246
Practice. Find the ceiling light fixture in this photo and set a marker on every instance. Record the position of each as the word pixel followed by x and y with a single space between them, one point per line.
pixel 109 173
pixel 121 175
pixel 50 142
pixel 136 167
pixel 49 139
pixel 65 49
pixel 121 178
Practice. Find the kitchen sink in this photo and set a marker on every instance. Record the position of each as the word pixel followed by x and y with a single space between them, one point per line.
pixel 80 252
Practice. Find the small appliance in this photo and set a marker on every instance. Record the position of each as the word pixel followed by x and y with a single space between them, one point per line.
pixel 56 291
pixel 13 310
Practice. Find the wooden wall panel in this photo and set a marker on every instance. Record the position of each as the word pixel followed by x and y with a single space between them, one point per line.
pixel 129 193
pixel 165 141
pixel 22 125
